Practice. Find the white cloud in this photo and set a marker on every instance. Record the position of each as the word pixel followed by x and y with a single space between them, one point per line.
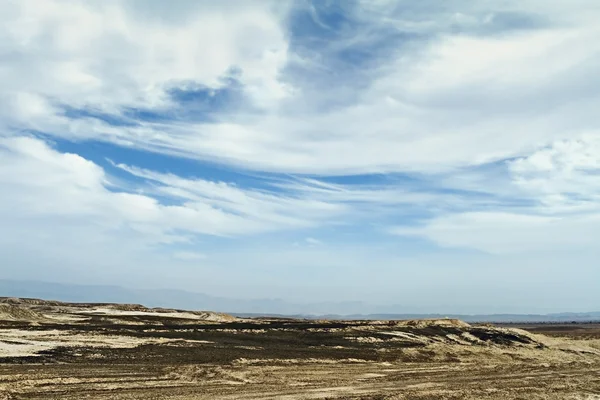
pixel 189 255
pixel 560 186
pixel 564 176
pixel 313 242
pixel 112 54
pixel 270 208
pixel 454 100
pixel 39 182
pixel 505 232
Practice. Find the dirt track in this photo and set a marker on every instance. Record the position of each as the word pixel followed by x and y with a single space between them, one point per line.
pixel 110 352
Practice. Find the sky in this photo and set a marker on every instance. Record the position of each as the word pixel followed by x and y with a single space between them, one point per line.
pixel 434 155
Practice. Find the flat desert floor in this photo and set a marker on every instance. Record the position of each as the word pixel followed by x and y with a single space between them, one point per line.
pixel 53 350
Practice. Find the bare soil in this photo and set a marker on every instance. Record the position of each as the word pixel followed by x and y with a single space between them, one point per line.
pixel 53 350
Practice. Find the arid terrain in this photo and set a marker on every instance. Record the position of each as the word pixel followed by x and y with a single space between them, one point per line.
pixel 53 350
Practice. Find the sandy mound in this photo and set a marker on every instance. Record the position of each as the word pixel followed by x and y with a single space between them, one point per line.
pixel 195 315
pixel 127 307
pixel 426 323
pixel 214 316
pixel 451 332
pixel 23 301
pixel 152 315
pixel 11 312
pixel 196 373
pixel 36 310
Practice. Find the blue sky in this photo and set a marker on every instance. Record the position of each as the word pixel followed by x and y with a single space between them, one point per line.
pixel 442 156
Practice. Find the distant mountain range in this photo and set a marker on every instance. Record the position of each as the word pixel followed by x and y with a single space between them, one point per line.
pixel 169 298
pixel 247 308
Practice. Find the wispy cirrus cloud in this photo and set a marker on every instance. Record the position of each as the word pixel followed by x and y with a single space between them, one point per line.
pixel 42 181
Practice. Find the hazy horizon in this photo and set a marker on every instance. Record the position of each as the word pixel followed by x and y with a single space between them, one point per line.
pixel 438 156
pixel 189 300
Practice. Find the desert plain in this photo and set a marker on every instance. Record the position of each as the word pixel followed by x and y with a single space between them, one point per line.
pixel 56 350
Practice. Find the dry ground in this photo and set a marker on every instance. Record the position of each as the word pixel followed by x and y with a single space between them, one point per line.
pixel 51 350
